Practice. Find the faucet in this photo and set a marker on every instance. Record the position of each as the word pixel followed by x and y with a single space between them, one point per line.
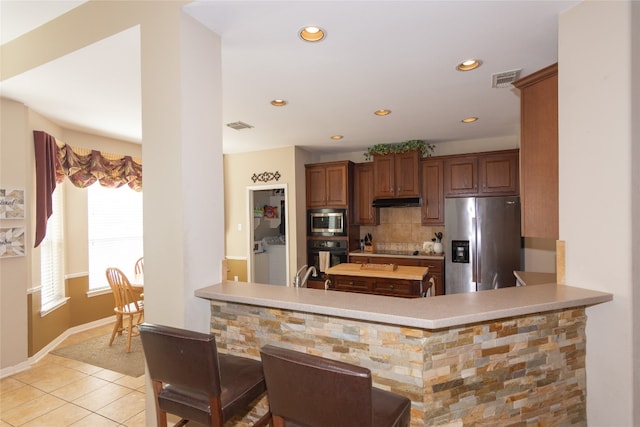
pixel 300 281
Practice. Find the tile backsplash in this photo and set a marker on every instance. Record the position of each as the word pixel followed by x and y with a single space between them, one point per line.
pixel 400 229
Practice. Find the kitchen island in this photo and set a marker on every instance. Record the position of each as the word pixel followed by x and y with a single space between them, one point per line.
pixel 511 355
pixel 379 279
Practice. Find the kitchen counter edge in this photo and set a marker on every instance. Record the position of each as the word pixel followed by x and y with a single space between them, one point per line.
pixel 426 313
pixel 421 255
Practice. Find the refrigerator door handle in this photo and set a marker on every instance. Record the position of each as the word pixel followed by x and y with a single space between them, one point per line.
pixel 475 254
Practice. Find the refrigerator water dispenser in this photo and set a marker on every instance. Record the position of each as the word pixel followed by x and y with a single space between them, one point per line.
pixel 460 251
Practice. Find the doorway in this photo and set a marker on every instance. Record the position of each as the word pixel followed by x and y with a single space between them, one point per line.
pixel 268 243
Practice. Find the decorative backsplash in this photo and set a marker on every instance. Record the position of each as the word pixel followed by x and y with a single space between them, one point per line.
pixel 400 229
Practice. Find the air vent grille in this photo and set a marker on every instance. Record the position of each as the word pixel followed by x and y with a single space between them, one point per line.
pixel 505 78
pixel 239 125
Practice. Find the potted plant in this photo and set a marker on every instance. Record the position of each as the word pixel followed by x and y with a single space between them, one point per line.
pixel 400 147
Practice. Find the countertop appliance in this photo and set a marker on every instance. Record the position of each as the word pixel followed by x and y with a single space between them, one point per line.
pixel 483 244
pixel 327 222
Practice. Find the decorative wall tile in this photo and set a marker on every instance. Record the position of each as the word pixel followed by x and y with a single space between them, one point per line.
pixel 528 370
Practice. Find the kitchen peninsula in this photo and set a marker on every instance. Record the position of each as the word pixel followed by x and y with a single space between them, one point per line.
pixel 511 355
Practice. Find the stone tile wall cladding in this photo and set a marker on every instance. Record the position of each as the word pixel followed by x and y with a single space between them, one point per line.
pixel 519 371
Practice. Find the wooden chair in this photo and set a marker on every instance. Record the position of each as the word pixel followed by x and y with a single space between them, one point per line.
pixel 125 305
pixel 192 380
pixel 313 391
pixel 138 268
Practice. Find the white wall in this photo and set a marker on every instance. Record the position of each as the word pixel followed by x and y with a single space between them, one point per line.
pixel 596 195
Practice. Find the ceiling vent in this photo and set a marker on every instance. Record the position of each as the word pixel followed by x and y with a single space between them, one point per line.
pixel 505 78
pixel 239 125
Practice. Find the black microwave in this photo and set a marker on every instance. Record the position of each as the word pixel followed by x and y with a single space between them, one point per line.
pixel 327 222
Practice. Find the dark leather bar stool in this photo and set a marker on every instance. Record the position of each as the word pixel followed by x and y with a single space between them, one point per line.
pixel 191 380
pixel 313 391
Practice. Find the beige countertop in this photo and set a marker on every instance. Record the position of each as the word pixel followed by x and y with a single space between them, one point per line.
pixel 421 255
pixel 427 313
pixel 357 270
pixel 528 278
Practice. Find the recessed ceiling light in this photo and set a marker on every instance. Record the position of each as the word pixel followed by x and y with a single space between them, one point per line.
pixel 469 120
pixel 312 34
pixel 278 102
pixel 336 137
pixel 468 65
pixel 382 112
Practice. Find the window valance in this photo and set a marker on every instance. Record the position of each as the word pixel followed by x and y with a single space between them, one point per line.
pixel 55 160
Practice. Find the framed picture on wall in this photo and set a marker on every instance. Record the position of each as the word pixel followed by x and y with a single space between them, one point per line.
pixel 11 242
pixel 11 204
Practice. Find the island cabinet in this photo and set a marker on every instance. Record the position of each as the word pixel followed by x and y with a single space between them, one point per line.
pixel 327 184
pixel 432 211
pixel 482 174
pixel 365 213
pixel 539 153
pixel 404 281
pixel 378 286
pixel 435 266
pixel 396 175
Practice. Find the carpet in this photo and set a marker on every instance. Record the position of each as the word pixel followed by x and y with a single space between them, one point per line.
pixel 96 351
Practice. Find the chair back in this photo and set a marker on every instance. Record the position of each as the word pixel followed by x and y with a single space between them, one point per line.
pixel 138 268
pixel 181 358
pixel 315 391
pixel 122 291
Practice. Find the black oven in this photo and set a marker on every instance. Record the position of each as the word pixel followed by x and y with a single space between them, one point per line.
pixel 336 251
pixel 327 222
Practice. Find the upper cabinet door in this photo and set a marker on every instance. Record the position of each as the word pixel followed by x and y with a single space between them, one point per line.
pixel 365 213
pixel 383 176
pixel 461 176
pixel 336 193
pixel 327 184
pixel 499 173
pixel 432 192
pixel 316 186
pixel 407 174
pixel 396 175
pixel 539 153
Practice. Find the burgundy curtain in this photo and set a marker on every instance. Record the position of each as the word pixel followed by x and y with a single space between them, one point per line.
pixel 46 165
pixel 53 163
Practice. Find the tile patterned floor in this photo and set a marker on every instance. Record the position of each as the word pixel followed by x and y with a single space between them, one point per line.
pixel 64 392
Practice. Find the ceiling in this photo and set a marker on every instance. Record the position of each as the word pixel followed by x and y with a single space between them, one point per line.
pixel 396 55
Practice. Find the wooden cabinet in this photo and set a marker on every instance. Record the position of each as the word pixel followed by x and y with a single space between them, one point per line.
pixel 482 174
pixel 396 175
pixel 499 173
pixel 378 286
pixel 327 184
pixel 436 270
pixel 539 153
pixel 432 192
pixel 461 176
pixel 436 266
pixel 364 212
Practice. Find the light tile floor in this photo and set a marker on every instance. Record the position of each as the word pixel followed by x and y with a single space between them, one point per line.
pixel 63 392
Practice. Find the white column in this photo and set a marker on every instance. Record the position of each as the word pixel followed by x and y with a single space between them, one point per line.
pixel 182 157
pixel 597 196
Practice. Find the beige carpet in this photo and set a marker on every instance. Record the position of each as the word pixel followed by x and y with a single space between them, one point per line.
pixel 96 351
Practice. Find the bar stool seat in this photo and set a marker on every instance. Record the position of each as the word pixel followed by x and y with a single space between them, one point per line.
pixel 190 379
pixel 313 391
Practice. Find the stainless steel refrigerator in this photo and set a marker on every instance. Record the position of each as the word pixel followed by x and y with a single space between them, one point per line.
pixel 483 244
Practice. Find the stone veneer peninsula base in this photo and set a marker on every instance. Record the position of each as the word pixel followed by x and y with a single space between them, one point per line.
pixel 525 369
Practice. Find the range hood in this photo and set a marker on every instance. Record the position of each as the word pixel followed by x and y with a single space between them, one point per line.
pixel 407 202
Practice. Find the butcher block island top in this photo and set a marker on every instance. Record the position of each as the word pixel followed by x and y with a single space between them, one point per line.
pixel 363 270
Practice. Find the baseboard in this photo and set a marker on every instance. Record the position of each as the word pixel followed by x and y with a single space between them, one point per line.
pixel 23 366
